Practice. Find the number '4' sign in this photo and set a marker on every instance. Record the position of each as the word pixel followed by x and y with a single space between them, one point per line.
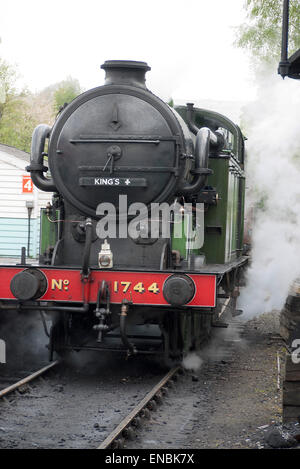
pixel 27 185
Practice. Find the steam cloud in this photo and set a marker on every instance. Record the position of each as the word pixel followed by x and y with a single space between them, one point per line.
pixel 192 362
pixel 273 180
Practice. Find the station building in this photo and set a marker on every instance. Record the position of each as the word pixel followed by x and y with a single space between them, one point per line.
pixel 20 204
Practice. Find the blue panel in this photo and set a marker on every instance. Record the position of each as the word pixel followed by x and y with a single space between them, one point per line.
pixel 13 236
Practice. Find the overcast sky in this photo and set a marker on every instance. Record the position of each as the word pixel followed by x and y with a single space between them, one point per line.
pixel 187 43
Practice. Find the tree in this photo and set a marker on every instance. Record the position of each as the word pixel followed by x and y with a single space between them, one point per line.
pixel 261 35
pixel 22 111
pixel 17 123
pixel 66 91
pixel 8 75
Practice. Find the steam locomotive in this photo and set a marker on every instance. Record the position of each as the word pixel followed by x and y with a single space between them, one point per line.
pixel 105 279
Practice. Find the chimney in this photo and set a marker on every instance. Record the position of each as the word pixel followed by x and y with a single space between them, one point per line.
pixel 125 72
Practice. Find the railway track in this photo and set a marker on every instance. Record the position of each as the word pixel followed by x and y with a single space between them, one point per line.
pixel 129 425
pixel 7 390
pixel 61 396
pixel 126 428
pixel 59 393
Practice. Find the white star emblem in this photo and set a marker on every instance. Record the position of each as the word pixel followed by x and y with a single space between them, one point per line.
pixel 127 182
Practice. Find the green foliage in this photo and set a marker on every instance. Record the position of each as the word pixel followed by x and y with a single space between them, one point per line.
pixel 171 102
pixel 66 91
pixel 21 112
pixel 261 35
pixel 17 123
pixel 8 75
pixel 7 81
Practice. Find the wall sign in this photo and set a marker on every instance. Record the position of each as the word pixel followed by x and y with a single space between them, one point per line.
pixel 27 185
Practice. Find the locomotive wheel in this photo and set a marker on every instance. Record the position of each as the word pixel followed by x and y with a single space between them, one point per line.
pixel 178 336
pixel 171 338
pixel 186 332
pixel 57 340
pixel 201 329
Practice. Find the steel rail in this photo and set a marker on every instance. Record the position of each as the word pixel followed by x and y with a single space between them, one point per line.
pixel 28 379
pixel 117 432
